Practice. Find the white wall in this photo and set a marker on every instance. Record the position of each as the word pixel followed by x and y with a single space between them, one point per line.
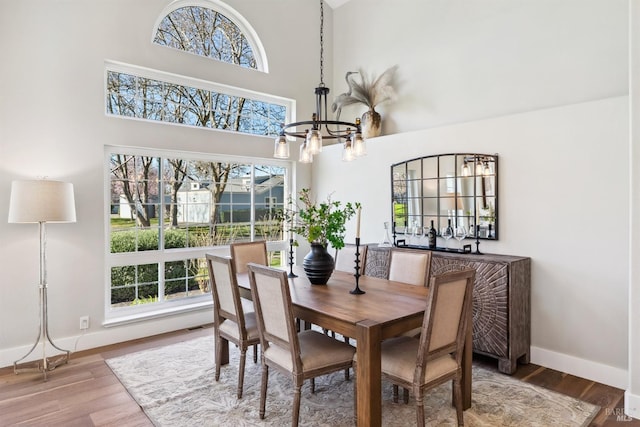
pixel 550 210
pixel 53 123
pixel 460 60
pixel 542 83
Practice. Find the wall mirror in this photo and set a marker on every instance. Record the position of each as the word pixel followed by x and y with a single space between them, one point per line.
pixel 460 188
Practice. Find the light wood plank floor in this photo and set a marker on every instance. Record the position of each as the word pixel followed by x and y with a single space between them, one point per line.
pixel 86 393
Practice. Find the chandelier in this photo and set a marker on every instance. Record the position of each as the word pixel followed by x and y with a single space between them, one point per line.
pixel 320 128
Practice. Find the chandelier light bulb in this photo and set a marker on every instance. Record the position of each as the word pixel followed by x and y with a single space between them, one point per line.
pixel 314 141
pixel 465 169
pixel 347 152
pixel 281 148
pixel 305 155
pixel 359 145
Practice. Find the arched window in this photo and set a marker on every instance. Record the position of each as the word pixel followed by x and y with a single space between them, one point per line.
pixel 212 29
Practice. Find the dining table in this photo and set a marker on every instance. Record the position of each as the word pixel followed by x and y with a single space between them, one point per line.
pixel 386 309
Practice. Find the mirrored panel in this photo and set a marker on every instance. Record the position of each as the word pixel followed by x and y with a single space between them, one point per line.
pixel 460 189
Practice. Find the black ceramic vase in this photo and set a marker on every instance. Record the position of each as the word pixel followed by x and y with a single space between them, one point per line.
pixel 318 264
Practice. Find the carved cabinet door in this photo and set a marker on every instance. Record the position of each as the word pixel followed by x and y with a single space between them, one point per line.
pixel 490 302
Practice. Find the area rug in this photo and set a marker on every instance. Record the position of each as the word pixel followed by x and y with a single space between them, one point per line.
pixel 175 386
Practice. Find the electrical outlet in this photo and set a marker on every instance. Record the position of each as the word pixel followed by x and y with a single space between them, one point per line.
pixel 84 322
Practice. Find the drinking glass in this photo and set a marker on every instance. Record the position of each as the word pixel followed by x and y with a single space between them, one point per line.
pixel 424 236
pixel 446 233
pixel 414 233
pixel 460 233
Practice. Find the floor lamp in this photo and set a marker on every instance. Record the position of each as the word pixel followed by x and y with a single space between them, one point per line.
pixel 42 201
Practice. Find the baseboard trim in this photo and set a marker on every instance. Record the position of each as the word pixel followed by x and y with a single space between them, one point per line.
pixel 105 336
pixel 632 405
pixel 594 371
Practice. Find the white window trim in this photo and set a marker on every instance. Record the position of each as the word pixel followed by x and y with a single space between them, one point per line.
pixel 247 30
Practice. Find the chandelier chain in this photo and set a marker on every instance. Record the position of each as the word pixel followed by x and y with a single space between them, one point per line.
pixel 321 43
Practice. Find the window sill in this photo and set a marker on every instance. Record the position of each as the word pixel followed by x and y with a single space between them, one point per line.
pixel 119 320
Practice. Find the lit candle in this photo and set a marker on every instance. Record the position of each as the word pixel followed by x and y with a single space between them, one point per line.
pixel 358 223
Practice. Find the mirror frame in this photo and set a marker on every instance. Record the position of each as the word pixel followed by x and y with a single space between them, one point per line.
pixel 439 181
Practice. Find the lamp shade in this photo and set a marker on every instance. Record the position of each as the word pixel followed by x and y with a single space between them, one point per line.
pixel 42 201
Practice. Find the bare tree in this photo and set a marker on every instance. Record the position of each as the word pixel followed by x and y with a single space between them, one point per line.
pixel 135 175
pixel 178 173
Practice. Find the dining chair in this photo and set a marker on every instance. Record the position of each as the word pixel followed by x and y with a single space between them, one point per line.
pixel 229 318
pixel 412 267
pixel 346 258
pixel 243 253
pixel 300 355
pixel 436 357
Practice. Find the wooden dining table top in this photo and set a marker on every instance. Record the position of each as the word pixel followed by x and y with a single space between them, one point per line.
pixel 383 302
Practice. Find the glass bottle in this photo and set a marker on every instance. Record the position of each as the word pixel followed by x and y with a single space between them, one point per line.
pixel 386 239
pixel 432 236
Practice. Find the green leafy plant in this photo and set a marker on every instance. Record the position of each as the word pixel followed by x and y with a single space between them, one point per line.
pixel 323 222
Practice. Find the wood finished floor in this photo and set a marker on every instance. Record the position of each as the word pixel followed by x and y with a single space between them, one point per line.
pixel 86 393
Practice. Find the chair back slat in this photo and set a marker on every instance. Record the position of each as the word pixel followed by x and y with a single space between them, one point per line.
pixel 346 258
pixel 274 310
pixel 243 253
pixel 447 314
pixel 412 267
pixel 446 317
pixel 224 289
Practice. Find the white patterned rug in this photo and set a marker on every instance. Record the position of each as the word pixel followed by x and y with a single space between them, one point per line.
pixel 175 386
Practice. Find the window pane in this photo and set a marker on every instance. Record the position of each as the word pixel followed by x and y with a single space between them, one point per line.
pixel 160 205
pixel 205 32
pixel 151 99
pixel 186 278
pixel 134 284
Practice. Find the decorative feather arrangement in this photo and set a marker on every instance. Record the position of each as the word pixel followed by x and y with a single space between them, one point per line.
pixel 368 91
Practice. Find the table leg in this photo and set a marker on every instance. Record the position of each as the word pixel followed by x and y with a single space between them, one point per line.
pixel 368 375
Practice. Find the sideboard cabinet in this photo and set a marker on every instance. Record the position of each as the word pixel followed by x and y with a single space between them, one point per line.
pixel 501 300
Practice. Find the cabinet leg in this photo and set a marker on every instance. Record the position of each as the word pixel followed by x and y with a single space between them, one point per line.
pixel 507 366
pixel 524 359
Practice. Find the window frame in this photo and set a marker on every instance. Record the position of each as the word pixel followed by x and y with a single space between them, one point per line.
pixel 230 13
pixel 123 315
pixel 177 79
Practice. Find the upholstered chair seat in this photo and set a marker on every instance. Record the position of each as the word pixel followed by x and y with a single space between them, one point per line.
pixel 230 328
pixel 400 360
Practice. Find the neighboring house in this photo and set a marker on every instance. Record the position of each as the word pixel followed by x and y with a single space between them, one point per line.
pixel 194 202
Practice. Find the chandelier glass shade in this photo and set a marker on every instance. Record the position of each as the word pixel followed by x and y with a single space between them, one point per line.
pixel 320 128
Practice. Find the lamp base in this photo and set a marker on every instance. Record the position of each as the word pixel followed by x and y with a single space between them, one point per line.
pixel 45 365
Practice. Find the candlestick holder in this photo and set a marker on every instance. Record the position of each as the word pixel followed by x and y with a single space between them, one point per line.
pixel 357 290
pixel 291 273
pixel 478 240
pixel 394 234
